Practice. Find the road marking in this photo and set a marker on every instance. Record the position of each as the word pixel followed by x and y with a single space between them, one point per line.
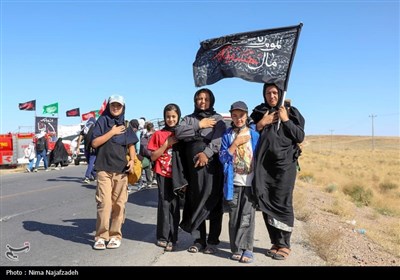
pixel 28 192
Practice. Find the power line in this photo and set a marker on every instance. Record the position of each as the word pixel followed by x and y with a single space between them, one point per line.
pixel 372 116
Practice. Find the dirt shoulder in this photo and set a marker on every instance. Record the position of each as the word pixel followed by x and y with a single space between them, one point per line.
pixel 341 241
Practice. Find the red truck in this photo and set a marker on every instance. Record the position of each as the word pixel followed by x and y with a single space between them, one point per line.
pixel 12 146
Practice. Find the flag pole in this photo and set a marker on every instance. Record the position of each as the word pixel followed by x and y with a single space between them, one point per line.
pixel 283 102
pixel 34 121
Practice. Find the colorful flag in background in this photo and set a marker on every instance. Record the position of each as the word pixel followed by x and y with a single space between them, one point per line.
pixel 50 109
pixel 28 106
pixel 103 107
pixel 73 113
pixel 87 116
pixel 263 56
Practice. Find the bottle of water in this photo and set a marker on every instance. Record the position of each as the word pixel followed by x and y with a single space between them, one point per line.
pixel 361 231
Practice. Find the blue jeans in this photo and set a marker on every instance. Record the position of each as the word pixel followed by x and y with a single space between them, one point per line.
pixel 90 172
pixel 39 156
pixel 30 164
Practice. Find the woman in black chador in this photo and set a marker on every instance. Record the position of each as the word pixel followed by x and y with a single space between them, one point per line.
pixel 276 166
pixel 59 154
pixel 201 133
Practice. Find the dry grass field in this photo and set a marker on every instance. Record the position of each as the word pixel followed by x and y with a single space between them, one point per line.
pixel 348 185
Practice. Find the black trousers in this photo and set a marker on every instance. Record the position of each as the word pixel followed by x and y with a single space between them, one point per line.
pixel 168 211
pixel 200 234
pixel 277 236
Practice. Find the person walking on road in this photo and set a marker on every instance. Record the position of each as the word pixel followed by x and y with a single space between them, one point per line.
pixel 90 152
pixel 30 154
pixel 41 148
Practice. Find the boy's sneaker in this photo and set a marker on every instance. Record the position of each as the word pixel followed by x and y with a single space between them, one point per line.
pixel 86 180
pixel 154 182
pixel 141 187
pixel 28 170
pixel 35 170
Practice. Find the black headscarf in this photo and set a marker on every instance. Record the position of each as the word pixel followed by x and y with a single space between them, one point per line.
pixel 134 124
pixel 200 114
pixel 107 121
pixel 171 107
pixel 260 110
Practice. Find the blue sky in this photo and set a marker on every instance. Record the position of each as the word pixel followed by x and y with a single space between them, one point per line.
pixel 78 53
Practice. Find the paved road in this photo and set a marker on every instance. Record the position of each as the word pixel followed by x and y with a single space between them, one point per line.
pixel 56 214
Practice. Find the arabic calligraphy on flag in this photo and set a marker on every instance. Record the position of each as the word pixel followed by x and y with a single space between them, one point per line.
pixel 28 106
pixel 263 56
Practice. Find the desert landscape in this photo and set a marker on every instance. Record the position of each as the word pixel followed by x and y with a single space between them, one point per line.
pixel 348 194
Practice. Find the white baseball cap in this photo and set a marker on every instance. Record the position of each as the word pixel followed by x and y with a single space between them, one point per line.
pixel 116 98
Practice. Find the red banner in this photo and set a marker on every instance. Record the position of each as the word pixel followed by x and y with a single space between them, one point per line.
pixel 103 107
pixel 87 116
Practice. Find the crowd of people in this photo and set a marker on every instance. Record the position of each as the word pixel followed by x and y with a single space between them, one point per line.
pixel 250 165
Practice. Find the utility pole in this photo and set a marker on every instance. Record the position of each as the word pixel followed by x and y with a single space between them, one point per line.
pixel 331 130
pixel 372 116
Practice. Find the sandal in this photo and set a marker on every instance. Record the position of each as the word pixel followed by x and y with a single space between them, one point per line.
pixel 169 247
pixel 210 249
pixel 100 244
pixel 195 248
pixel 282 254
pixel 236 256
pixel 247 257
pixel 114 243
pixel 271 252
pixel 162 243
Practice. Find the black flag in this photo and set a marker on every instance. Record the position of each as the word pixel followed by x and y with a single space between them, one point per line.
pixel 28 106
pixel 73 113
pixel 263 56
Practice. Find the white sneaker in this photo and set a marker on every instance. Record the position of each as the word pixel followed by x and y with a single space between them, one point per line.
pixel 56 168
pixel 28 170
pixel 86 180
